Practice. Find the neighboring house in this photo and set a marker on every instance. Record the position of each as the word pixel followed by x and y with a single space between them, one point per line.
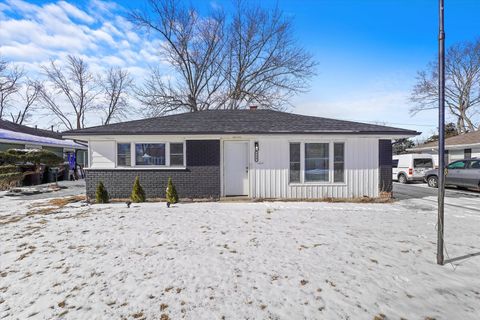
pixel 254 153
pixel 16 136
pixel 463 146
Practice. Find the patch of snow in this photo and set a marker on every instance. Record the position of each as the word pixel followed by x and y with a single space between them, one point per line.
pixel 237 260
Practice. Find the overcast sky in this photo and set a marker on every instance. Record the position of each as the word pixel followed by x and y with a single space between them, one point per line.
pixel 368 50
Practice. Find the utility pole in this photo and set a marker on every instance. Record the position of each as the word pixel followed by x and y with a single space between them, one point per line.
pixel 441 133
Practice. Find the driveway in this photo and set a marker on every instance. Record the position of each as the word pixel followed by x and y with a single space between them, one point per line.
pixel 422 194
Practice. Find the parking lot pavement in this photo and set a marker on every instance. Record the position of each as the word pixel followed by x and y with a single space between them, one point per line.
pixel 454 198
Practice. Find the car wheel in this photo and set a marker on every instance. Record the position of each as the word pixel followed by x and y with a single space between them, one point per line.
pixel 402 178
pixel 432 182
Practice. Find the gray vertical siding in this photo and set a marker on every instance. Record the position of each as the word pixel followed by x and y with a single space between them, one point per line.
pixel 269 177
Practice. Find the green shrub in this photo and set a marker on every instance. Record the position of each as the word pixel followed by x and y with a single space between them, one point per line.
pixel 13 159
pixel 9 168
pixel 138 195
pixel 101 195
pixel 10 176
pixel 14 156
pixel 171 193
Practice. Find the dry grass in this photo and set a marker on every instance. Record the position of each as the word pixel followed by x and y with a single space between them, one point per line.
pixel 53 205
pixel 382 199
pixel 360 200
pixel 45 208
pixel 26 254
pixel 44 211
pixel 62 202
pixel 163 306
pixel 364 199
pixel 9 219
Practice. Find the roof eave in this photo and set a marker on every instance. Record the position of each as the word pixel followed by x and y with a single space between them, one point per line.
pixel 451 146
pixel 393 134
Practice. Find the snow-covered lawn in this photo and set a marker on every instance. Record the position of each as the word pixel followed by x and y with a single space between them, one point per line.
pixel 235 261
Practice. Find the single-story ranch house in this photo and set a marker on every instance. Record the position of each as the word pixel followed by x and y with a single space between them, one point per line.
pixel 17 136
pixel 255 153
pixel 463 146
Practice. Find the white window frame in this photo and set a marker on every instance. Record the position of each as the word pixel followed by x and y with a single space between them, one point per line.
pixel 184 154
pixel 116 154
pixel 330 163
pixel 133 155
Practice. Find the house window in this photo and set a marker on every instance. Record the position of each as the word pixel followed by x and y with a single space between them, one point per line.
pixel 150 154
pixel 317 161
pixel 176 154
pixel 467 153
pixel 294 162
pixel 124 158
pixel 338 162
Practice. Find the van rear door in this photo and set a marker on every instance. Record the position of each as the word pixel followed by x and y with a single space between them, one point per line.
pixel 420 165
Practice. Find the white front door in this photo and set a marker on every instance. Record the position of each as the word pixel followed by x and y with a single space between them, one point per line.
pixel 235 164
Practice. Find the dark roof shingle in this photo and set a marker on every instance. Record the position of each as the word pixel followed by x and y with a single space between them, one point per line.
pixel 237 121
pixel 7 125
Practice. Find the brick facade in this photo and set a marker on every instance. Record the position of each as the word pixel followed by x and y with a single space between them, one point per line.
pixel 200 179
pixel 385 165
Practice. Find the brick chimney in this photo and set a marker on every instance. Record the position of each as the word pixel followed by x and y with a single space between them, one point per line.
pixel 253 107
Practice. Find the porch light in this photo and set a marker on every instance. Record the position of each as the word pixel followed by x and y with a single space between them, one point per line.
pixel 256 151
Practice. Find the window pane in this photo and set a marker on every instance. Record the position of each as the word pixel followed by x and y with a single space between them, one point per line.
pixel 338 162
pixel 176 154
pixel 316 162
pixel 150 154
pixel 176 148
pixel 422 163
pixel 123 154
pixel 457 165
pixel 467 153
pixel 395 163
pixel 294 162
pixel 176 160
pixel 475 164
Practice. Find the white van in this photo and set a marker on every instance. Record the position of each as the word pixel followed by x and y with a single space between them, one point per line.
pixel 410 167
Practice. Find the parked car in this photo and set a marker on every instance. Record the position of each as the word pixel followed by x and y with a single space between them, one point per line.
pixel 461 173
pixel 411 167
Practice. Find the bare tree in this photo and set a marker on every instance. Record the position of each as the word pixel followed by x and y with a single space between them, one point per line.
pixel 116 86
pixel 265 64
pixel 194 47
pixel 29 95
pixel 10 78
pixel 72 91
pixel 252 59
pixel 462 85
